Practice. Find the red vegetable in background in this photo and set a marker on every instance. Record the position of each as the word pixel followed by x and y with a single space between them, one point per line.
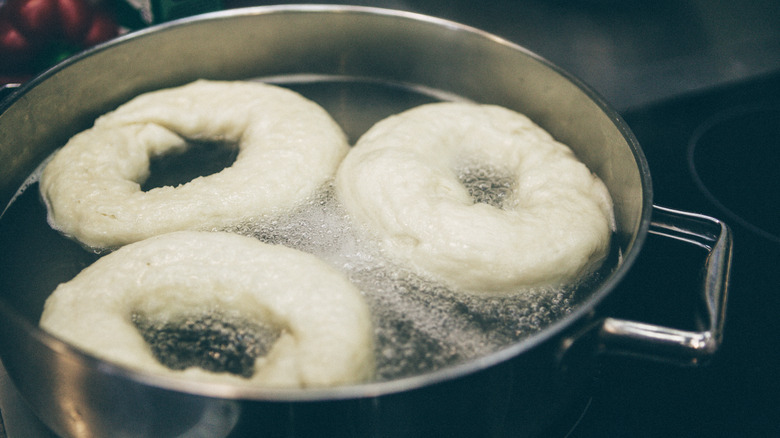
pixel 37 33
pixel 50 19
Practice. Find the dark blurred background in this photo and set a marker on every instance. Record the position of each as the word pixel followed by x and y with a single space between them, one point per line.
pixel 633 52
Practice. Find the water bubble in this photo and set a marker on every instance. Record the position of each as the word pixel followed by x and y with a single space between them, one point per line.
pixel 209 341
pixel 419 324
pixel 487 184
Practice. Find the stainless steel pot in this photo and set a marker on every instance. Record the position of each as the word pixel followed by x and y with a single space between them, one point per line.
pixel 517 391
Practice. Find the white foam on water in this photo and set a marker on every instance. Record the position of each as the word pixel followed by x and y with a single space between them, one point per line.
pixel 420 325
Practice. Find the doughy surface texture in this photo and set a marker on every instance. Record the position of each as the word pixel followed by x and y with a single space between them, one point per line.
pixel 402 183
pixel 326 331
pixel 288 147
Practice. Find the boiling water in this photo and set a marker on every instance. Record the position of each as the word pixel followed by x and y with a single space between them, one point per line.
pixel 212 342
pixel 205 158
pixel 486 184
pixel 419 325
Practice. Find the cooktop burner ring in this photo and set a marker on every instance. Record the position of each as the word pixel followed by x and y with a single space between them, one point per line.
pixel 733 158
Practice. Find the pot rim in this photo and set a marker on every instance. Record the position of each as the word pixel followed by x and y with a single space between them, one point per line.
pixel 584 310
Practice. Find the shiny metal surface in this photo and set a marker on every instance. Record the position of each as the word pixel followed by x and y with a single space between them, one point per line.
pixel 653 341
pixel 80 396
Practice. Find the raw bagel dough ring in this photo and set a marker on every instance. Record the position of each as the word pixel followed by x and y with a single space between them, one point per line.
pixel 400 182
pixel 288 148
pixel 326 339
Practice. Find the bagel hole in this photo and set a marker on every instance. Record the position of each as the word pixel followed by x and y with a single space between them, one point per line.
pixel 487 184
pixel 210 341
pixel 198 158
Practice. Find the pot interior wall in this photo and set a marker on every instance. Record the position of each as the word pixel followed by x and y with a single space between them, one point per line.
pixel 400 48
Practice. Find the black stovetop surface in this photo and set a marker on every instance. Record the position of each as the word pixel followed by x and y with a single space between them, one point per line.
pixel 738 393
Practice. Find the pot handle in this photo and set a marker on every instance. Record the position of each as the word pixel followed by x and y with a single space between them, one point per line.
pixel 668 344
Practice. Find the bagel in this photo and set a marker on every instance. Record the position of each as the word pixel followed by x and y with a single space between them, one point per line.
pixel 288 148
pixel 325 328
pixel 549 221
